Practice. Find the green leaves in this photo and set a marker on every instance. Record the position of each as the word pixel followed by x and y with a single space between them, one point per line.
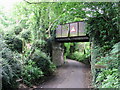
pixel 116 48
pixel 43 62
pixel 26 35
pixel 11 66
pixel 17 29
pixel 14 43
pixel 109 77
pixel 78 51
pixel 31 73
pixel 102 26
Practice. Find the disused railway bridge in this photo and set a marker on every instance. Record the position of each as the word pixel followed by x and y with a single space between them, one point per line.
pixel 70 32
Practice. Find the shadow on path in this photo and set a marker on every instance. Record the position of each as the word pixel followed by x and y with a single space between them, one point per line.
pixel 71 75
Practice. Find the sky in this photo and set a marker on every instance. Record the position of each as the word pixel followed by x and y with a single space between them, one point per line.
pixel 8 4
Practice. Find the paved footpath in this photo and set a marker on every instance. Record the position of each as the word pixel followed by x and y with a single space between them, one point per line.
pixel 71 75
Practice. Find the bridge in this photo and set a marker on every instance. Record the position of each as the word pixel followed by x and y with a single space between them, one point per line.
pixel 72 32
pixel 69 32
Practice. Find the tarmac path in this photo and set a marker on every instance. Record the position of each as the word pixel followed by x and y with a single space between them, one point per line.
pixel 71 75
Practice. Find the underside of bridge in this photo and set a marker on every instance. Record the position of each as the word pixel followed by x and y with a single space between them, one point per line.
pixel 72 39
pixel 70 32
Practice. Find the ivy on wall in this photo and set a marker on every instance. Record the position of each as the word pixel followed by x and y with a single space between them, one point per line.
pixel 103 28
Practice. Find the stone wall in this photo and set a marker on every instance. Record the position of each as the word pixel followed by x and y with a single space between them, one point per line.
pixel 57 54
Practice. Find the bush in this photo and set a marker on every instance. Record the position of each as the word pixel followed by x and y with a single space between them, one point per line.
pixel 109 77
pixel 1 29
pixel 40 44
pixel 14 43
pixel 43 62
pixel 78 56
pixel 78 51
pixel 67 49
pixel 81 57
pixel 11 67
pixel 17 29
pixel 26 34
pixel 31 73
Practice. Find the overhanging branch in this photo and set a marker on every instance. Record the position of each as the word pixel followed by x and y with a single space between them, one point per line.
pixel 52 24
pixel 32 2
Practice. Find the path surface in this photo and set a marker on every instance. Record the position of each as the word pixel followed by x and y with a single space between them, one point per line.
pixel 72 75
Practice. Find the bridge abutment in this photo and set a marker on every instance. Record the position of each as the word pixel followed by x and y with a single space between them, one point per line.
pixel 57 54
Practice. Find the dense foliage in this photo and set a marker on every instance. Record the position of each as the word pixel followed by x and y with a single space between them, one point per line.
pixel 24 59
pixel 14 43
pixel 25 45
pixel 103 28
pixel 43 62
pixel 11 66
pixel 78 51
pixel 108 77
pixel 31 73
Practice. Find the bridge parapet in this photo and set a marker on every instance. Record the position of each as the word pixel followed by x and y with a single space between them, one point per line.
pixel 75 31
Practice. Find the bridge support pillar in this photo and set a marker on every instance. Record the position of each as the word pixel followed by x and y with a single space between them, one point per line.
pixel 57 54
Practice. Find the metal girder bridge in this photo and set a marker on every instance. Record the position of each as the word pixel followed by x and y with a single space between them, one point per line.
pixel 72 32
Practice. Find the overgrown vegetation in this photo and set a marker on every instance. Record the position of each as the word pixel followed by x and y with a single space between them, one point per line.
pixel 11 66
pixel 107 69
pixel 103 28
pixel 31 73
pixel 78 51
pixel 25 37
pixel 24 56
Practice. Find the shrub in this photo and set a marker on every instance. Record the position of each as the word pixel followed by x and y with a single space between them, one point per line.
pixel 17 29
pixel 11 67
pixel 14 43
pixel 43 62
pixel 79 56
pixel 31 73
pixel 109 76
pixel 26 34
pixel 1 29
pixel 40 44
pixel 78 51
pixel 67 49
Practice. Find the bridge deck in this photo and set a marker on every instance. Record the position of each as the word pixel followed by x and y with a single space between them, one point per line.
pixel 72 32
pixel 73 39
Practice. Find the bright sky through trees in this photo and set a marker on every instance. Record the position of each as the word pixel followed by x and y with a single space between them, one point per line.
pixel 8 4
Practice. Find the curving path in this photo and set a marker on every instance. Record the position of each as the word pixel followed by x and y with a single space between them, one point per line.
pixel 71 75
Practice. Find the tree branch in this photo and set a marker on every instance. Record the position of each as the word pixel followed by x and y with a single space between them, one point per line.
pixel 32 2
pixel 52 24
